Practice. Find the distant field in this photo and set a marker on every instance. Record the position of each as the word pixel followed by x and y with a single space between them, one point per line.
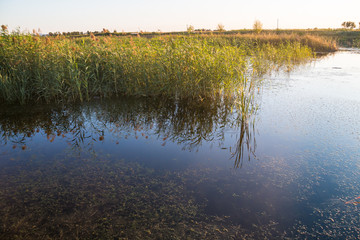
pixel 343 38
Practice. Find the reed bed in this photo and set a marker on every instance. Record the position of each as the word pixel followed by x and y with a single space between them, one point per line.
pixel 34 68
pixel 315 43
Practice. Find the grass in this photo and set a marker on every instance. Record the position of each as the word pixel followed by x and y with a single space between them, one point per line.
pixel 342 37
pixel 60 69
pixel 315 43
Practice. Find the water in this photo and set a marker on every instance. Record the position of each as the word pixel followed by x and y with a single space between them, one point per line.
pixel 144 168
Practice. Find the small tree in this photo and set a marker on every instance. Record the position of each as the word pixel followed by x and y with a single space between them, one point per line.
pixel 220 27
pixel 190 28
pixel 349 25
pixel 4 30
pixel 257 26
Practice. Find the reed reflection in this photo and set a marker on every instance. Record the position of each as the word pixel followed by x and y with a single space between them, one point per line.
pixel 188 123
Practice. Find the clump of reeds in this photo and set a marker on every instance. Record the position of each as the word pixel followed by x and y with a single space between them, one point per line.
pixel 315 43
pixel 34 68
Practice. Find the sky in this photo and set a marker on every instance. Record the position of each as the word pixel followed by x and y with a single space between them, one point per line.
pixel 167 15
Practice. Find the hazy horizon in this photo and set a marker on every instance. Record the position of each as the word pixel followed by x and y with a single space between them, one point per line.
pixel 141 15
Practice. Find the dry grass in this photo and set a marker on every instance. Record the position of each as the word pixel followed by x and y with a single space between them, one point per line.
pixel 316 43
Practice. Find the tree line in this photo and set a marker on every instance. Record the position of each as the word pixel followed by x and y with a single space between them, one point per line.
pixel 349 25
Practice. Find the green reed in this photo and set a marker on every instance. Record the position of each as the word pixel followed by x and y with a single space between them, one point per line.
pixel 34 68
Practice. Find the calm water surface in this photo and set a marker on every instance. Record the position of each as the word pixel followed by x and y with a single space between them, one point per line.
pixel 141 168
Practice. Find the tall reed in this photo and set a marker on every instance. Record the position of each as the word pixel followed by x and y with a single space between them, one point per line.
pixel 34 68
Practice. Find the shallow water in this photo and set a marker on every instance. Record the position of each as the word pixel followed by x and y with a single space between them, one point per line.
pixel 155 168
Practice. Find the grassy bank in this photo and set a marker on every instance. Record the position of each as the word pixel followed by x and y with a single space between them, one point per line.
pixel 342 37
pixel 34 68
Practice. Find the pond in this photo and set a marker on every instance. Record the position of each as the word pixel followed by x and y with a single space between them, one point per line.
pixel 155 168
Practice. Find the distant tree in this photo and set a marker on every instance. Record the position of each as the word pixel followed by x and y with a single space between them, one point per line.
pixel 105 32
pixel 257 26
pixel 51 34
pixel 349 25
pixel 220 27
pixel 204 30
pixel 4 29
pixel 190 28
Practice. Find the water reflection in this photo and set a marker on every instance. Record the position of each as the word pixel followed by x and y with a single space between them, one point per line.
pixel 186 123
pixel 246 144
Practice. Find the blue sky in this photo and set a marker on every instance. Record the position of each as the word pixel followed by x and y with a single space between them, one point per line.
pixel 135 15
